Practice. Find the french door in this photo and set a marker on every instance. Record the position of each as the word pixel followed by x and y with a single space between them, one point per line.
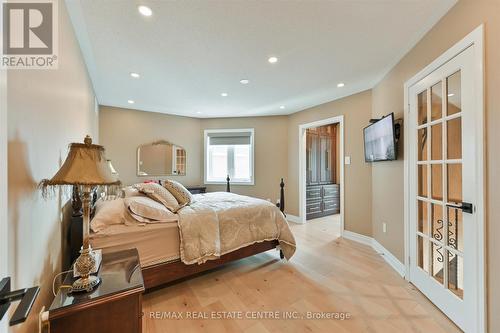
pixel 444 242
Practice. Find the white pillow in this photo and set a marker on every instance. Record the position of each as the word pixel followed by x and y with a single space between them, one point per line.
pixel 130 191
pixel 108 212
pixel 147 210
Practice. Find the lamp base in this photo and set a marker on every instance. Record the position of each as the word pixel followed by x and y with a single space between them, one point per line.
pixel 86 284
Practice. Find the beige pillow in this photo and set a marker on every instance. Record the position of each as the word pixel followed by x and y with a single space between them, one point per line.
pixel 148 210
pixel 130 191
pixel 183 196
pixel 108 212
pixel 160 194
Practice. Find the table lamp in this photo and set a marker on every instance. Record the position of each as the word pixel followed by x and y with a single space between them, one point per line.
pixel 86 167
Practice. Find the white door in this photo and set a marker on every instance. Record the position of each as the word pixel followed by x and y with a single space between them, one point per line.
pixel 443 191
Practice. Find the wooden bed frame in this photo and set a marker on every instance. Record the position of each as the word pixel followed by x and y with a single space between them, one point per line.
pixel 163 273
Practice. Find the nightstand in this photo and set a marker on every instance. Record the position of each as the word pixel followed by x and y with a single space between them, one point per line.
pixel 197 189
pixel 114 306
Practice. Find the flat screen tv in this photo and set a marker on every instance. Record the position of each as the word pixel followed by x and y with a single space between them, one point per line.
pixel 380 140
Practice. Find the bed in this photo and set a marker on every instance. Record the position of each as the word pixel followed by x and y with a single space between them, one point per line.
pixel 170 251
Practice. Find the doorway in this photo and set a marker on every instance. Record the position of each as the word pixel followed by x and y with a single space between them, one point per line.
pixel 445 185
pixel 321 171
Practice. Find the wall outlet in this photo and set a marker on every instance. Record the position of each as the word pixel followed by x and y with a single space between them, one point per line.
pixel 384 227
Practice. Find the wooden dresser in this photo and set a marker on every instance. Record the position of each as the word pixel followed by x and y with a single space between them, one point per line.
pixel 197 189
pixel 322 200
pixel 322 194
pixel 115 306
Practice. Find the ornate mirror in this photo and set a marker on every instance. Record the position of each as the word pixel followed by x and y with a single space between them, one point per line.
pixel 161 158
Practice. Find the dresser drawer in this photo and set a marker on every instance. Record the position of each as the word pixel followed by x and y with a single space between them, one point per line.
pixel 331 190
pixel 313 193
pixel 331 205
pixel 313 206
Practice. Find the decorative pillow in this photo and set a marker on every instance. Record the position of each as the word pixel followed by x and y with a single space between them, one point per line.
pixel 130 191
pixel 160 194
pixel 149 210
pixel 183 196
pixel 108 212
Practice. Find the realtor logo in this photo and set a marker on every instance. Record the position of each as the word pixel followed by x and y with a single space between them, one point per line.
pixel 29 34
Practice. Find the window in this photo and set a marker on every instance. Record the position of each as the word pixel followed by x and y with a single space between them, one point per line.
pixel 229 152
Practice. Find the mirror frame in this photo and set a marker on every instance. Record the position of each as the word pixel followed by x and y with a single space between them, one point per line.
pixel 158 142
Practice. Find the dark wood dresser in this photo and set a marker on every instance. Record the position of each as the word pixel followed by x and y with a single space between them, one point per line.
pixel 322 200
pixel 322 193
pixel 114 306
pixel 197 189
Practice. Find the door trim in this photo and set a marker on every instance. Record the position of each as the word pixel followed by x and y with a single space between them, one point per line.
pixel 302 165
pixel 4 244
pixel 476 39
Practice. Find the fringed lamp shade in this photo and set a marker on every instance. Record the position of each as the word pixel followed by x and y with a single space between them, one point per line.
pixel 85 165
pixel 87 168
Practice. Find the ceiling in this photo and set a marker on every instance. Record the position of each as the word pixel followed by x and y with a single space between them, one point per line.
pixel 189 52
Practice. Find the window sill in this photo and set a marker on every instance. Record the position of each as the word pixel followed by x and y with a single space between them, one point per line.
pixel 206 182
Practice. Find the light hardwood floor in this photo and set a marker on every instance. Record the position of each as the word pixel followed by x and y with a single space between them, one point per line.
pixel 327 274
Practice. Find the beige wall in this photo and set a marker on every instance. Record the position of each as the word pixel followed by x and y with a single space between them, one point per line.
pixel 388 97
pixel 357 112
pixel 270 154
pixel 47 109
pixel 122 130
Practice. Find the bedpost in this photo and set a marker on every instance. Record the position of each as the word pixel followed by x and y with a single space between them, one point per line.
pixel 282 196
pixel 282 207
pixel 228 187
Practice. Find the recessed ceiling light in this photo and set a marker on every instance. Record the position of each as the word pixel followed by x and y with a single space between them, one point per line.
pixel 145 10
pixel 340 85
pixel 244 81
pixel 224 94
pixel 282 107
pixel 198 112
pixel 273 60
pixel 130 101
pixel 451 95
pixel 135 75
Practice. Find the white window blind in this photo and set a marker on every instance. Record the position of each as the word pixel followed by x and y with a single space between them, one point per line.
pixel 229 152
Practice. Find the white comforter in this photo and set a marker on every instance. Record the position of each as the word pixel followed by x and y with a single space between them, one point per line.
pixel 219 222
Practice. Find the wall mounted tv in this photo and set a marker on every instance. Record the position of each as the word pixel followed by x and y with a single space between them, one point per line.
pixel 380 140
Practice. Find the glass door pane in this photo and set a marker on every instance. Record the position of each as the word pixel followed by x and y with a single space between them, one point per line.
pixel 439 182
pixel 437 101
pixel 453 181
pixel 454 97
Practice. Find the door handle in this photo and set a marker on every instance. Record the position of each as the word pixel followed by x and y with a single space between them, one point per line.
pixel 466 207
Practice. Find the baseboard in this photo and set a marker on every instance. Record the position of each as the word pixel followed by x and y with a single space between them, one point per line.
pixel 397 265
pixel 358 237
pixel 293 218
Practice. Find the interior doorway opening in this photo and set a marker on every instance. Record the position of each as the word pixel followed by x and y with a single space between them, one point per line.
pixel 321 174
